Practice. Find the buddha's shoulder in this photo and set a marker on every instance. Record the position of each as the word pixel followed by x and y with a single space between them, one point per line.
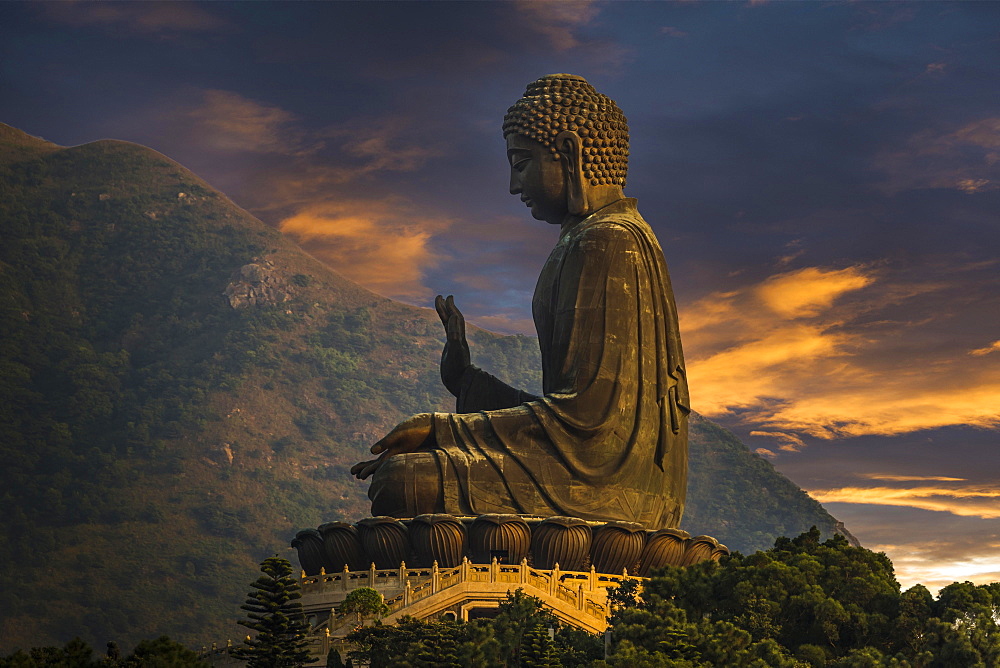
pixel 619 226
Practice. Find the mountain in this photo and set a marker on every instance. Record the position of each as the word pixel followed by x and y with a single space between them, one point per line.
pixel 181 389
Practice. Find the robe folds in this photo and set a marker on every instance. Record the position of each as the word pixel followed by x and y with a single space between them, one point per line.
pixel 608 438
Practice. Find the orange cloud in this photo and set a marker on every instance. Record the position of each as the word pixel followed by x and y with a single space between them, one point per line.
pixel 909 478
pixel 967 501
pixel 747 343
pixel 804 352
pixel 992 348
pixel 809 291
pixel 879 406
pixel 788 442
pixel 379 244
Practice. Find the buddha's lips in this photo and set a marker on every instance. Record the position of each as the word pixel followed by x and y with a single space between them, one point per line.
pixel 527 201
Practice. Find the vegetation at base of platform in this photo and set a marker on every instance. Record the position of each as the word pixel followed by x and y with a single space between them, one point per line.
pixel 159 653
pixel 275 613
pixel 517 636
pixel 801 604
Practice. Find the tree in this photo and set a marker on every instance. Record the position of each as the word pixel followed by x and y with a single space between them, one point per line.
pixel 516 616
pixel 538 649
pixel 802 602
pixel 160 653
pixel 425 644
pixel 437 649
pixel 274 612
pixel 802 592
pixel 114 654
pixel 75 654
pixel 364 602
pixel 163 653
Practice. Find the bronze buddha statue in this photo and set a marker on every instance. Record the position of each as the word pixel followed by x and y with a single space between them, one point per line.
pixel 607 440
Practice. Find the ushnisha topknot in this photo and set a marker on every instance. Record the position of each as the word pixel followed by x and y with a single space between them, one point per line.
pixel 558 102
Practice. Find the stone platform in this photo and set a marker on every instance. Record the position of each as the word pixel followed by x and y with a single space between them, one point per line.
pixel 462 592
pixel 462 567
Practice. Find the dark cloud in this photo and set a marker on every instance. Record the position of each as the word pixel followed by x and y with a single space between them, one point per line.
pixel 965 159
pixel 968 454
pixel 152 18
pixel 671 31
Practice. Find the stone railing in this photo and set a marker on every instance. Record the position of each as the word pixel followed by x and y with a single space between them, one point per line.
pixel 585 591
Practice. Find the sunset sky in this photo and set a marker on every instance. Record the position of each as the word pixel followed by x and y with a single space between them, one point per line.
pixel 824 179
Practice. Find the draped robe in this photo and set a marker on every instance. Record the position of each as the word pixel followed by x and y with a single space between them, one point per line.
pixel 608 438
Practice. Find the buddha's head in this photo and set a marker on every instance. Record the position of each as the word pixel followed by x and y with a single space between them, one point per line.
pixel 568 148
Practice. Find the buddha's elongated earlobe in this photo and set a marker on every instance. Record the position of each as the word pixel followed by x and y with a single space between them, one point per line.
pixel 570 150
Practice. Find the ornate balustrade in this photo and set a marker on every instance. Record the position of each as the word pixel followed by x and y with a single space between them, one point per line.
pixel 585 591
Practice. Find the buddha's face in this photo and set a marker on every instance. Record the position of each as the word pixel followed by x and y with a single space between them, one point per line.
pixel 538 178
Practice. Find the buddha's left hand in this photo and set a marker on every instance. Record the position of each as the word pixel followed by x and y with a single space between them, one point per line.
pixel 410 435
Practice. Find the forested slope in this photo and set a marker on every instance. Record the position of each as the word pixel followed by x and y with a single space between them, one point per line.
pixel 181 389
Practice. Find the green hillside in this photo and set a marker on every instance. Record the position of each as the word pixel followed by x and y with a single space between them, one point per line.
pixel 181 389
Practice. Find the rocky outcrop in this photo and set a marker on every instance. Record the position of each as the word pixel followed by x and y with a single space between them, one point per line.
pixel 842 530
pixel 258 284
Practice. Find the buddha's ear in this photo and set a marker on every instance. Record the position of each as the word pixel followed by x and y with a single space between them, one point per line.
pixel 570 151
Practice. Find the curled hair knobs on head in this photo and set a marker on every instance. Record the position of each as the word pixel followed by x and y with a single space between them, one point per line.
pixel 559 102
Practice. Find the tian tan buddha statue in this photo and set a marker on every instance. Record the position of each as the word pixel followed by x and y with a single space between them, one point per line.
pixel 608 438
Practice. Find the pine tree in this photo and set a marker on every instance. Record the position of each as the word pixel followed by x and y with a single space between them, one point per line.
pixel 516 615
pixel 274 612
pixel 537 650
pixel 438 650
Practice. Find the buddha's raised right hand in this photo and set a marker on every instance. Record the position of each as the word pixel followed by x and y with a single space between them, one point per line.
pixel 455 358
